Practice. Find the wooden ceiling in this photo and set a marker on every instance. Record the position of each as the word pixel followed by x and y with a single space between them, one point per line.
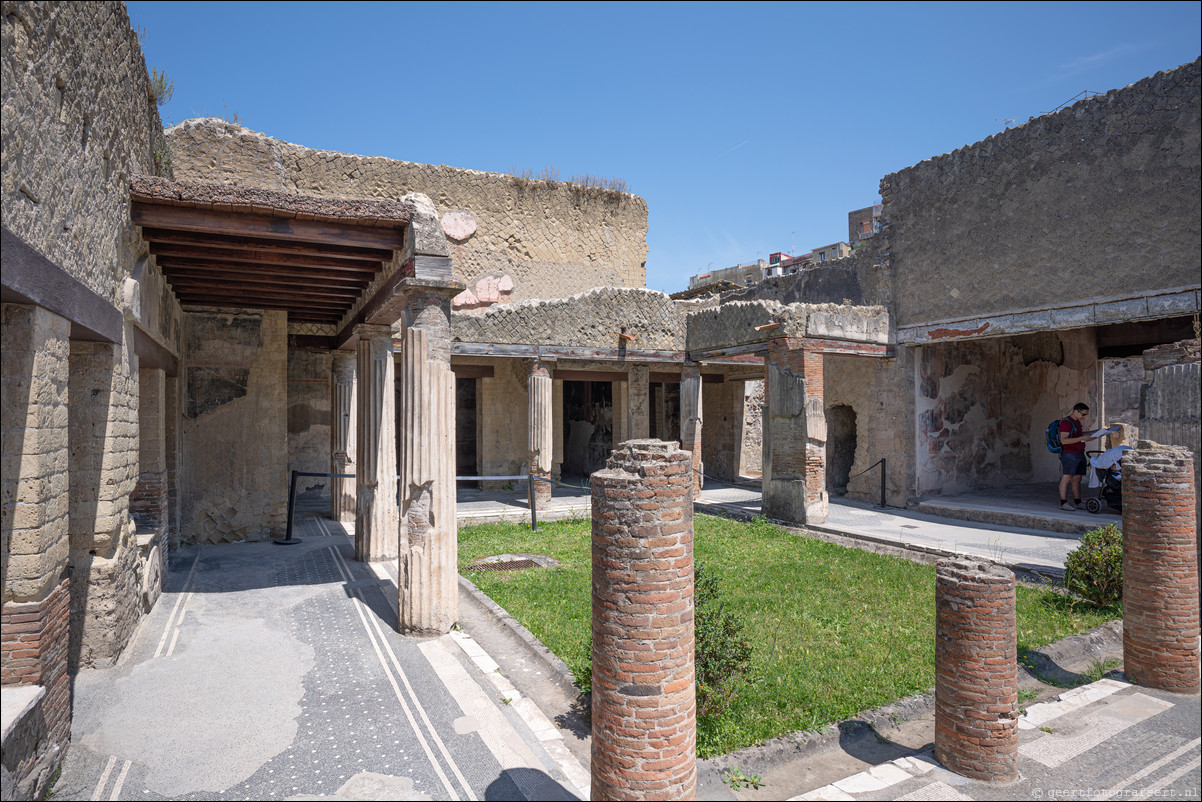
pixel 313 269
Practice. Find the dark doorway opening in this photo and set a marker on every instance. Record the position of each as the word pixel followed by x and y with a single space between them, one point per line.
pixel 465 427
pixel 840 447
pixel 665 410
pixel 588 412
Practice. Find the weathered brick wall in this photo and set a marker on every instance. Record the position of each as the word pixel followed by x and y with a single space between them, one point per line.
pixel 982 407
pixel 976 670
pixel 862 279
pixel 309 418
pixel 234 478
pixel 34 646
pixel 795 435
pixel 1111 186
pixel 1160 568
pixel 551 238
pixel 1121 383
pixel 592 319
pixel 644 690
pixel 148 502
pixel 753 427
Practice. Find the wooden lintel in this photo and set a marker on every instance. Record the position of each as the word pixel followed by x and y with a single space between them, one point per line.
pixel 209 241
pixel 589 375
pixel 472 371
pixel 661 378
pixel 185 218
pixel 184 255
pixel 210 277
pixel 298 289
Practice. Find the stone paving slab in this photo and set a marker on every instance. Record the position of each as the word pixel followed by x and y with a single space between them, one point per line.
pixel 275 672
pixel 1108 740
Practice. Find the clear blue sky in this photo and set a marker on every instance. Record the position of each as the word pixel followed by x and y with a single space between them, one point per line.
pixel 748 128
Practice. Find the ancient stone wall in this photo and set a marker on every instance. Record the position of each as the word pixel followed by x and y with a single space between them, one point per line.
pixel 234 483
pixel 551 239
pixel 722 410
pixel 1105 193
pixel 78 120
pixel 880 393
pixel 1170 404
pixel 505 425
pixel 592 319
pixel 982 407
pixel 861 279
pixel 1122 379
pixel 309 418
pixel 738 323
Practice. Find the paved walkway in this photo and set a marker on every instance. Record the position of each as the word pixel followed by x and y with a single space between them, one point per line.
pixel 1108 740
pixel 275 672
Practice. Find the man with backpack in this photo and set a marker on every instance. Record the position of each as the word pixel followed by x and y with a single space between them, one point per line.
pixel 1073 463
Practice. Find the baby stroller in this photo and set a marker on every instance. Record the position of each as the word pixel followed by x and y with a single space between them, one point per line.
pixel 1106 474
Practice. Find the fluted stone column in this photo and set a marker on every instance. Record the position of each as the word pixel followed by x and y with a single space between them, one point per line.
pixel 690 419
pixel 638 402
pixel 376 515
pixel 541 428
pixel 428 593
pixel 342 435
pixel 556 428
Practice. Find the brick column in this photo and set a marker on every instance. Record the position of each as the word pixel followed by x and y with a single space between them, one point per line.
pixel 376 512
pixel 638 403
pixel 148 502
pixel 342 435
pixel 1160 569
pixel 794 455
pixel 644 691
pixel 976 670
pixel 542 448
pixel 428 593
pixel 690 419
pixel 35 606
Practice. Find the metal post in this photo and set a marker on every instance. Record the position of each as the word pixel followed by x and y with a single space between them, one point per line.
pixel 882 481
pixel 530 494
pixel 289 540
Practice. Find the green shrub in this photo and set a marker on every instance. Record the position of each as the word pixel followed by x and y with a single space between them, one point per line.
pixel 722 652
pixel 1094 570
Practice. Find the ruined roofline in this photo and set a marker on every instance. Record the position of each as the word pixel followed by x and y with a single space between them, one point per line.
pixel 530 303
pixel 1069 111
pixel 228 198
pixel 235 129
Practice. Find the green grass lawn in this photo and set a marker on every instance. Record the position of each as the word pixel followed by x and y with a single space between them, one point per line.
pixel 834 631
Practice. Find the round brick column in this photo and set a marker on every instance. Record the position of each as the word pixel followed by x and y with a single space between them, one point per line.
pixel 644 689
pixel 976 670
pixel 1160 569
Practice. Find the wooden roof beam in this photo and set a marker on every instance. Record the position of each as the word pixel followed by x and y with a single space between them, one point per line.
pixel 207 221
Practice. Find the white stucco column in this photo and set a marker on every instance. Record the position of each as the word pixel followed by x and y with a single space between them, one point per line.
pixel 376 514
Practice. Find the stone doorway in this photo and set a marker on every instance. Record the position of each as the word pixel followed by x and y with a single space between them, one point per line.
pixel 840 447
pixel 465 427
pixel 588 412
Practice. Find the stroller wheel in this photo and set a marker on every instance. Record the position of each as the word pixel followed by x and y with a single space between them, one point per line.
pixel 1093 505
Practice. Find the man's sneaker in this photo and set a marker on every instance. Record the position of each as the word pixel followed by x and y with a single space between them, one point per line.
pixel 1064 505
pixel 1077 505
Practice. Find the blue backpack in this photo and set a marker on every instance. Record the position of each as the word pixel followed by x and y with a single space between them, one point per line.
pixel 1053 436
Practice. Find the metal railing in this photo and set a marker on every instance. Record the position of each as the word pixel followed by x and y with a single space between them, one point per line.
pixel 880 462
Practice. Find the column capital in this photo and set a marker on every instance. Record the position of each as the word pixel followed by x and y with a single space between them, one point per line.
pixel 540 366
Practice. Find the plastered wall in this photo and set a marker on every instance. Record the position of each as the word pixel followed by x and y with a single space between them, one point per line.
pixel 309 418
pixel 551 239
pixel 1099 201
pixel 235 468
pixel 982 407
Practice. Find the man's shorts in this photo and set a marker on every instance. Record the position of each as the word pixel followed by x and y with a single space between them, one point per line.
pixel 1072 464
